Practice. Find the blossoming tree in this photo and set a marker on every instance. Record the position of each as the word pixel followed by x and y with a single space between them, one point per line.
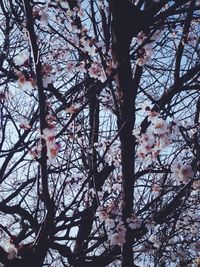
pixel 99 140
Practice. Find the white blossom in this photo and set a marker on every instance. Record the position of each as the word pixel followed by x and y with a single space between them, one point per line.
pixel 21 58
pixel 182 173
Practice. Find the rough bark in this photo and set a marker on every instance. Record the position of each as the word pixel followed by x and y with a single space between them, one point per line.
pixel 123 12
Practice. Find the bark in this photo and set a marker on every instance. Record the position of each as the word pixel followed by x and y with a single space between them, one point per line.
pixel 123 12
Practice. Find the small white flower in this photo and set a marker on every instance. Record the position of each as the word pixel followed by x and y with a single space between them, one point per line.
pixel 64 4
pixel 150 225
pixel 152 238
pixel 47 80
pixel 110 223
pixel 160 126
pixel 49 134
pixel 21 58
pixel 136 132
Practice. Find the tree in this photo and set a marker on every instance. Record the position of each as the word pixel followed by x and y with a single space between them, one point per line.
pixel 100 142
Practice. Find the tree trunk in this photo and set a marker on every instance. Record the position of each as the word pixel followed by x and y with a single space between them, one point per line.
pixel 127 87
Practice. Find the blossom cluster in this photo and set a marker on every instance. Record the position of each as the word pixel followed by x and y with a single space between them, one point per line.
pixel 49 135
pixel 96 71
pixel 24 124
pixel 26 82
pixel 11 249
pixel 157 137
pixel 146 51
pixel 22 58
pixel 115 226
pixel 25 79
pixel 182 172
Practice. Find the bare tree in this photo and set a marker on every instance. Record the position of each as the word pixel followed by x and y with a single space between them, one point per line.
pixel 100 152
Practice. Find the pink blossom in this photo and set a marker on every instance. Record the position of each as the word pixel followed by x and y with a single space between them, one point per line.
pixel 96 71
pixel 141 61
pixel 110 223
pixel 181 172
pixel 72 109
pixel 10 249
pixel 70 65
pixel 49 134
pixel 52 150
pixel 51 120
pixel 46 69
pixel 47 80
pixel 136 132
pixel 146 145
pixel 152 115
pixel 196 261
pixel 134 222
pixel 192 39
pixel 117 239
pixel 89 45
pixel 162 141
pixel 156 189
pixel 144 55
pixel 141 37
pixel 186 172
pixel 157 35
pixel 24 124
pixel 102 214
pixel 160 126
pixel 196 185
pixel 81 67
pixel 121 228
pixel 35 152
pixel 140 153
pixel 24 83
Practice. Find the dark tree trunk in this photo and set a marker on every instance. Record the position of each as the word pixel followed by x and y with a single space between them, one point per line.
pixel 123 30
